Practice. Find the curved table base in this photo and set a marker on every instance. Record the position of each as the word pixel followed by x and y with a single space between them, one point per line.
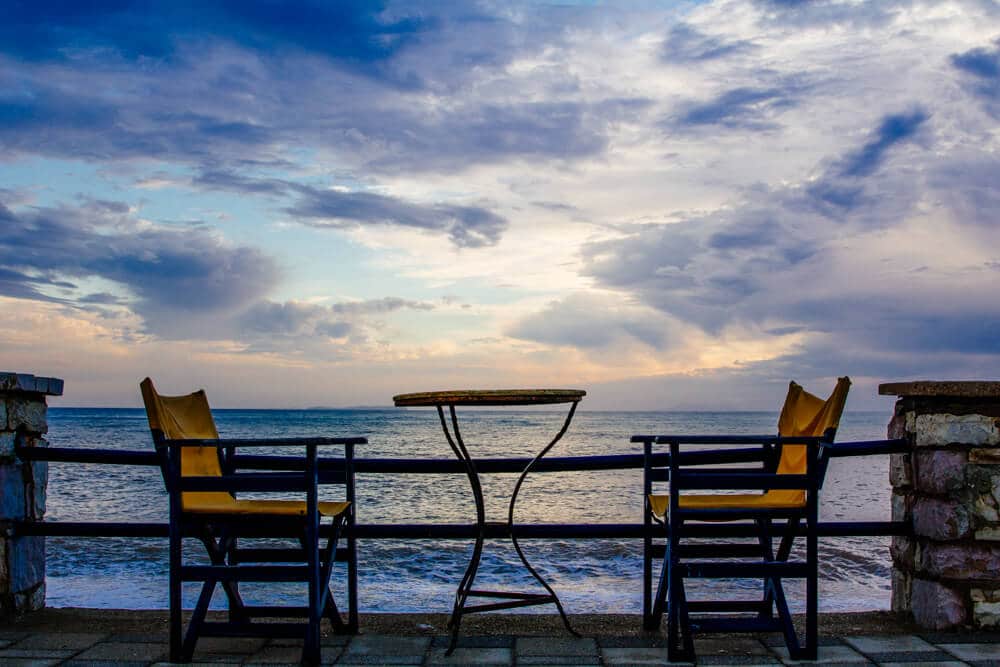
pixel 509 600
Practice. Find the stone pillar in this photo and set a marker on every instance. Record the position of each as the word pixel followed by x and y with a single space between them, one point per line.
pixel 22 489
pixel 948 488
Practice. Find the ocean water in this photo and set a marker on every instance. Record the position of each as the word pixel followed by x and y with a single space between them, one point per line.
pixel 590 576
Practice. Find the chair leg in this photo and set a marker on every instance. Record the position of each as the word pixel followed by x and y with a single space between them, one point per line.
pixel 788 630
pixel 654 618
pixel 764 527
pixel 198 618
pixel 176 627
pixel 680 643
pixel 647 578
pixel 352 585
pixel 311 645
pixel 327 601
pixel 220 553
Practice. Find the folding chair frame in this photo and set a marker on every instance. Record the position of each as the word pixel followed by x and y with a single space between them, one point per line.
pixel 219 533
pixel 682 560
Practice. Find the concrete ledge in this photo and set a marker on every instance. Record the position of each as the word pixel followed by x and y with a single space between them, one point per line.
pixel 949 388
pixel 30 384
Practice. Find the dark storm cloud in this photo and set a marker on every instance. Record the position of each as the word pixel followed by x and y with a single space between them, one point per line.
pixel 354 31
pixel 168 270
pixel 686 44
pixel 466 226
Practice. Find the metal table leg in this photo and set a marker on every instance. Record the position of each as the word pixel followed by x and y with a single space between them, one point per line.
pixel 465 588
pixel 510 521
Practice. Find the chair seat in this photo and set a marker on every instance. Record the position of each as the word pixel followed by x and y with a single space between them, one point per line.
pixel 774 499
pixel 225 504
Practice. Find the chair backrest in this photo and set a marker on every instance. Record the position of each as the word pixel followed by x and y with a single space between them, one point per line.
pixel 809 416
pixel 181 418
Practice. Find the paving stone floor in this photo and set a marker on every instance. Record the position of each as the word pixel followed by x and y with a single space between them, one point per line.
pixel 51 647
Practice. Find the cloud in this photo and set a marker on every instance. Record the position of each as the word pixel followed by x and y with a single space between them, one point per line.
pixel 686 44
pixel 744 108
pixel 592 322
pixel 967 184
pixel 981 70
pixel 466 226
pixel 171 272
pixel 827 13
pixel 892 130
pixel 355 82
pixel 321 332
pixel 765 260
pixel 379 306
pixel 841 186
pixel 351 31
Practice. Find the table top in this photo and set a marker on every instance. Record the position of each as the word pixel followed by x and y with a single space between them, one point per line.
pixel 489 397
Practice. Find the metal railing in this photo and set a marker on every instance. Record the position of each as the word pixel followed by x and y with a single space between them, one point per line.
pixel 446 531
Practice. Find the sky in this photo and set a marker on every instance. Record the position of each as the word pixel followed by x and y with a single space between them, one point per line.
pixel 671 205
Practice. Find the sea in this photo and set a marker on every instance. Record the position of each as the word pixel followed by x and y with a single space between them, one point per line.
pixel 590 576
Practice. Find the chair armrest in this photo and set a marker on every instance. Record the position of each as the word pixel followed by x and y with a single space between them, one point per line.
pixel 734 440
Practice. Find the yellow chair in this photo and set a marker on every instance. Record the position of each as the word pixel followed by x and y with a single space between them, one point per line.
pixel 202 476
pixel 787 483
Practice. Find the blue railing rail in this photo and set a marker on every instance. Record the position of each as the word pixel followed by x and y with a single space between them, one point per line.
pixel 443 531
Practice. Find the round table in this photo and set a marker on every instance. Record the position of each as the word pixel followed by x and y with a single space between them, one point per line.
pixel 482 398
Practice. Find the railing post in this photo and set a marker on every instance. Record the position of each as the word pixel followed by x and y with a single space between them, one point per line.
pixel 22 489
pixel 948 488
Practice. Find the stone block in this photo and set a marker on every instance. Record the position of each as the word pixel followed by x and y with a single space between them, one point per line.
pixel 6 445
pixel 984 456
pixel 26 563
pixel 901 588
pixel 29 415
pixel 984 508
pixel 28 601
pixel 39 489
pixel 903 552
pixel 988 534
pixel 27 383
pixel 984 594
pixel 901 471
pixel 4 570
pixel 936 606
pixel 985 606
pixel 970 562
pixel 900 507
pixel 901 425
pixel 986 614
pixel 3 415
pixel 941 520
pixel 12 503
pixel 940 471
pixel 935 430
